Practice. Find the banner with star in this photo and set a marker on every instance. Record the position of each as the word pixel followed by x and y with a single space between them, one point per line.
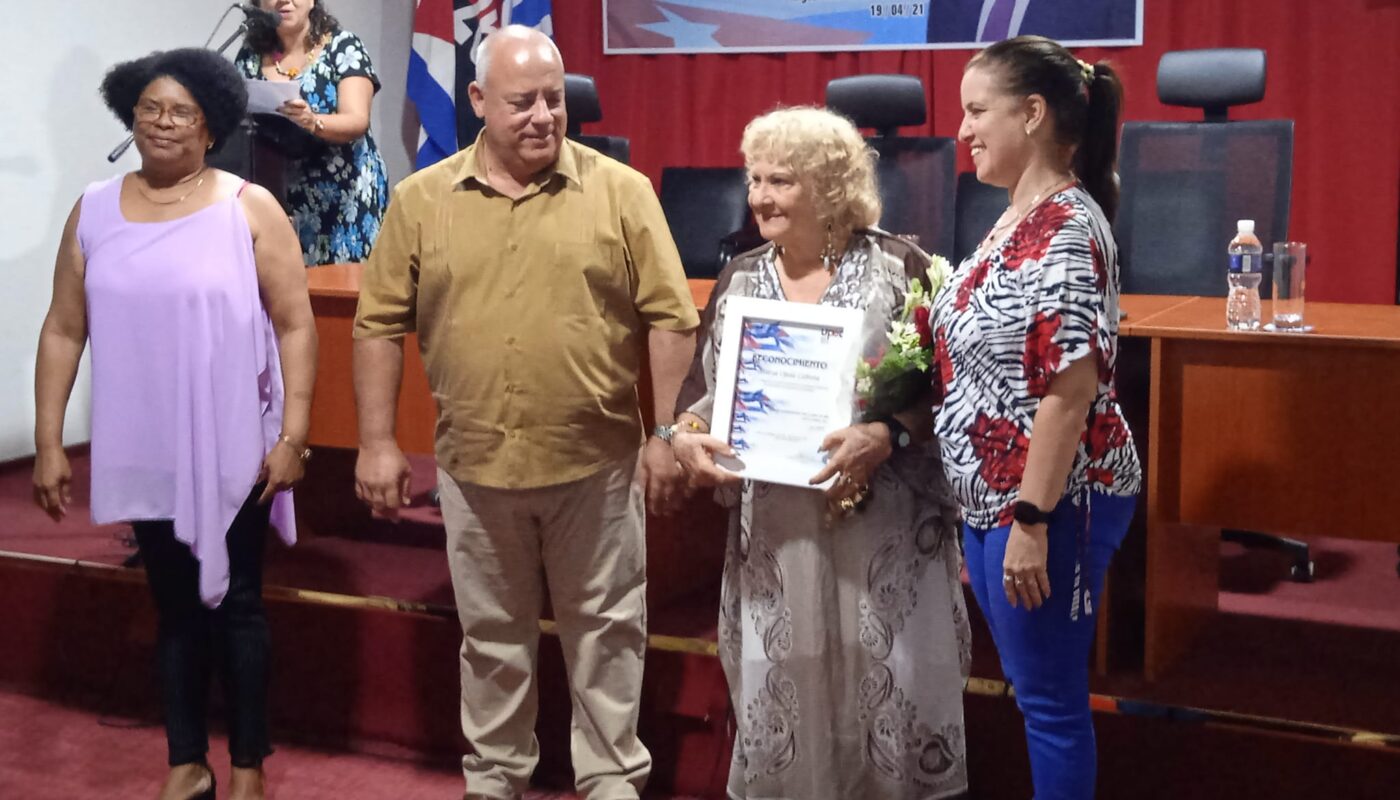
pixel 775 26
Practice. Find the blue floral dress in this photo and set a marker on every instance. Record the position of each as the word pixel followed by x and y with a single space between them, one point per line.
pixel 337 198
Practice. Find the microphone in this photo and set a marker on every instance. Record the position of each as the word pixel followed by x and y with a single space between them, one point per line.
pixel 259 16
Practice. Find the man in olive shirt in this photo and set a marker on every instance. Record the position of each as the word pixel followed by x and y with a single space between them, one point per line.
pixel 536 272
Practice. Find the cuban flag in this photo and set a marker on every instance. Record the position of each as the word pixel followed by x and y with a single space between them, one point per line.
pixel 446 34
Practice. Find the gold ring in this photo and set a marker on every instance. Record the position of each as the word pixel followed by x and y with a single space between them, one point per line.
pixel 847 504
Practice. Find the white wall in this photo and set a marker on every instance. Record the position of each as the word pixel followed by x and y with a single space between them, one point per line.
pixel 55 135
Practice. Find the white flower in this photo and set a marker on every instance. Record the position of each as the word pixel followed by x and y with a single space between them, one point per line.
pixel 938 271
pixel 865 385
pixel 904 336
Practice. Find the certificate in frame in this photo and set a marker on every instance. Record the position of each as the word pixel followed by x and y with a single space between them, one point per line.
pixel 785 379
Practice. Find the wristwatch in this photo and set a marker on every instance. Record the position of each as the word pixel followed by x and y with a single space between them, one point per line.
pixel 1028 513
pixel 900 437
pixel 664 432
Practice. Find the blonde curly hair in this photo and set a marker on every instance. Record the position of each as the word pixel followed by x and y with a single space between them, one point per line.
pixel 827 156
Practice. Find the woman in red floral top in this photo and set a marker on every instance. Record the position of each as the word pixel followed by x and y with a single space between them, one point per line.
pixel 1034 443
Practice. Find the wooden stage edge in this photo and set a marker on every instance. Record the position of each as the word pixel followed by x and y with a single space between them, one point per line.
pixel 974 686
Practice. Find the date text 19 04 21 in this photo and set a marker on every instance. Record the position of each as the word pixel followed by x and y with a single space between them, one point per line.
pixel 898 9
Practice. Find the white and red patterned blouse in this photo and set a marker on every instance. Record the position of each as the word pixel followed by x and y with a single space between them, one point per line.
pixel 1005 324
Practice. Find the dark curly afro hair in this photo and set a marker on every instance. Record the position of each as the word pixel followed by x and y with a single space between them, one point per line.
pixel 209 77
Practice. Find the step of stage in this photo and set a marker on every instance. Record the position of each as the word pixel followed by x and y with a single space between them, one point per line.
pixel 369 676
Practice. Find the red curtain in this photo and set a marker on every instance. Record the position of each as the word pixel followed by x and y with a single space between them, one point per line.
pixel 1334 67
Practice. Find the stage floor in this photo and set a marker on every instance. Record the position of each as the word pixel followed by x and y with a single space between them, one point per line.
pixel 1316 653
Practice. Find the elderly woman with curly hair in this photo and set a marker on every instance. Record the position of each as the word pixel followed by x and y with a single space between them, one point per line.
pixel 189 285
pixel 337 193
pixel 842 628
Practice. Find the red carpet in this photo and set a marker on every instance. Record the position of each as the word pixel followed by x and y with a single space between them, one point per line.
pixel 49 752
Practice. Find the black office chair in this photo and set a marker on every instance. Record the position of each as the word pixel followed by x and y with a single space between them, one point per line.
pixel 581 104
pixel 916 173
pixel 1184 185
pixel 707 209
pixel 977 209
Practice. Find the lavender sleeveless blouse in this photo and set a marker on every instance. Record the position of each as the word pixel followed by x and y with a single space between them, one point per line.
pixel 186 379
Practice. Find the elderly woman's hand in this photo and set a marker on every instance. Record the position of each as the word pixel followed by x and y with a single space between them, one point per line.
pixel 695 452
pixel 855 453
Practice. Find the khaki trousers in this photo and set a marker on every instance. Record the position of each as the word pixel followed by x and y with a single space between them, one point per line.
pixel 587 540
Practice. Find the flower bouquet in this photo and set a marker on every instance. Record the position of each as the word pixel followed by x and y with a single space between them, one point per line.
pixel 894 380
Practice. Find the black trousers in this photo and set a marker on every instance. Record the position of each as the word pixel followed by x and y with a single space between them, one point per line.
pixel 192 638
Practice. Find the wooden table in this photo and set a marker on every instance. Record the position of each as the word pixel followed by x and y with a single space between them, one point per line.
pixel 1283 433
pixel 335 291
pixel 1294 434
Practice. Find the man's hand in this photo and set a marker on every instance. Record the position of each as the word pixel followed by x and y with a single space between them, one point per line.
pixel 661 476
pixel 383 478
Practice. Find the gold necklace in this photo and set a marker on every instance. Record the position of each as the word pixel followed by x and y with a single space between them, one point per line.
pixel 179 199
pixel 1035 200
pixel 293 72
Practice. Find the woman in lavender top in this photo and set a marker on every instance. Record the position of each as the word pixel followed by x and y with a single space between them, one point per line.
pixel 189 284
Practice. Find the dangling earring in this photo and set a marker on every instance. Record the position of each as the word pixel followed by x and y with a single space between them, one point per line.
pixel 829 252
pixel 210 146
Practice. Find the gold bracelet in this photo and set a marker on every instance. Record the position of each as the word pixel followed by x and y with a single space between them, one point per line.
pixel 689 426
pixel 302 453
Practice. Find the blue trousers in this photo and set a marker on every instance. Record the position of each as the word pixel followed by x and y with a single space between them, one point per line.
pixel 1045 652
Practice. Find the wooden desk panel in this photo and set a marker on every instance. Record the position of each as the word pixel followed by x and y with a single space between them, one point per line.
pixel 335 290
pixel 1282 433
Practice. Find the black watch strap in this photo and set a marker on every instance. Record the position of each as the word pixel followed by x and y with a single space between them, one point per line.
pixel 1028 513
pixel 900 437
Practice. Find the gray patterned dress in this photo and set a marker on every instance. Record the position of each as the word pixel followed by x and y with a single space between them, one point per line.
pixel 845 642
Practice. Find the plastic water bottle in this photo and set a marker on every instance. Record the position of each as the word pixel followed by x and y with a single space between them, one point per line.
pixel 1246 270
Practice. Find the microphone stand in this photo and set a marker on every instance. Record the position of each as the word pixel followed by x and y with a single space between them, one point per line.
pixel 242 29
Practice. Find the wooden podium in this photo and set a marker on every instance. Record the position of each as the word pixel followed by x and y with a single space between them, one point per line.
pixel 261 150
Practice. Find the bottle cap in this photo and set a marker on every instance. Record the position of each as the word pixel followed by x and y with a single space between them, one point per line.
pixel 1245 226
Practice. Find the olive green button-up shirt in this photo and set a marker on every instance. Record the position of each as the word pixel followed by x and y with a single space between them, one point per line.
pixel 531 313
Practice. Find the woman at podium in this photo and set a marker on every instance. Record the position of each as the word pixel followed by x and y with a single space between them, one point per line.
pixel 337 194
pixel 187 282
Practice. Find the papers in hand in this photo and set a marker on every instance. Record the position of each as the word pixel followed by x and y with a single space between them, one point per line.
pixel 265 97
pixel 785 379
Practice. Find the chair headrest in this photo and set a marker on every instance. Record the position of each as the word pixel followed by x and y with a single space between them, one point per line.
pixel 882 102
pixel 581 101
pixel 1211 79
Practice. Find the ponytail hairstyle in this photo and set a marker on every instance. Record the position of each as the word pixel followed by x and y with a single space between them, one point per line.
pixel 262 39
pixel 1085 99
